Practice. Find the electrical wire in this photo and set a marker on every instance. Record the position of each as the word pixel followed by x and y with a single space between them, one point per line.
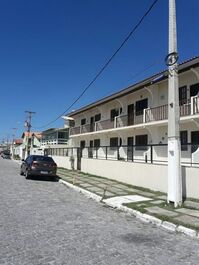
pixel 104 66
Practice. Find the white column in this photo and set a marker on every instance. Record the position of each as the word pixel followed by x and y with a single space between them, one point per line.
pixel 174 148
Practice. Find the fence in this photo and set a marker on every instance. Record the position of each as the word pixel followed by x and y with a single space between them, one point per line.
pixel 154 153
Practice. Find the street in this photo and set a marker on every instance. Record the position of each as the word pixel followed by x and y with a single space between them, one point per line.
pixel 44 222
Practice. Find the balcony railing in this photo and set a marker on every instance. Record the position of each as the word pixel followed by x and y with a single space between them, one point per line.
pixel 195 104
pixel 153 153
pixel 53 141
pixel 188 107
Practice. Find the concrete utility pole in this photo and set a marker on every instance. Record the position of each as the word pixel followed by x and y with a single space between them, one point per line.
pixel 174 147
pixel 13 138
pixel 28 125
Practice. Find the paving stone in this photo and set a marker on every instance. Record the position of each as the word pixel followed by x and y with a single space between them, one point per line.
pixel 101 185
pixel 163 197
pixel 118 192
pixel 115 189
pixel 186 219
pixel 189 211
pixel 94 189
pixel 161 211
pixel 157 202
pixel 121 186
pixel 85 185
pixel 192 204
pixel 146 193
pixel 119 200
pixel 132 190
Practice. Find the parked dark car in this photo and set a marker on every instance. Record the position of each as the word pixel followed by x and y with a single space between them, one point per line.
pixel 38 165
pixel 5 155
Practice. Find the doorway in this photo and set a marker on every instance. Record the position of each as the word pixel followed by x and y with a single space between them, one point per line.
pixel 130 141
pixel 194 141
pixel 130 115
pixel 90 150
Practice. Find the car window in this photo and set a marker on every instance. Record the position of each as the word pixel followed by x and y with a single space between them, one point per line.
pixel 43 158
pixel 28 159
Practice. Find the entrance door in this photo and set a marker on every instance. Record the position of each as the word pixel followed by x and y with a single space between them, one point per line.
pixel 92 124
pixel 194 141
pixel 130 114
pixel 90 152
pixel 130 141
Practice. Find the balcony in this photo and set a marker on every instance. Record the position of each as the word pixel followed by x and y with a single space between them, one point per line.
pixel 186 108
pixel 190 107
pixel 45 142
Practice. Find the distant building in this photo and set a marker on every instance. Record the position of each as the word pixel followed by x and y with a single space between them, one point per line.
pixel 32 140
pixel 54 136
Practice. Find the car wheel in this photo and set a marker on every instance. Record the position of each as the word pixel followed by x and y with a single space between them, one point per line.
pixel 21 172
pixel 26 174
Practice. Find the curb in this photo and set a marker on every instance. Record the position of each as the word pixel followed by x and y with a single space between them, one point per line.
pixel 141 216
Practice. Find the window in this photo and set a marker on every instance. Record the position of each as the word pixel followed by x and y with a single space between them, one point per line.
pixel 141 142
pixel 115 113
pixel 83 121
pixel 98 117
pixel 184 140
pixel 82 144
pixel 97 143
pixel 140 106
pixel 113 142
pixel 194 141
pixel 182 95
pixel 194 90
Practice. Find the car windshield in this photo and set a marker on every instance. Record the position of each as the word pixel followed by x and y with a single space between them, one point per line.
pixel 43 158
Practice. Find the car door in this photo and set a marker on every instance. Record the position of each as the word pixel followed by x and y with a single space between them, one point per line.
pixel 26 163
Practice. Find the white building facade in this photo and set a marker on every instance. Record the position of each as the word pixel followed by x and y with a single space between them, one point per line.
pixel 124 136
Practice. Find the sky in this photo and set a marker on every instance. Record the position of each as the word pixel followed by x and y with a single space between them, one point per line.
pixel 51 49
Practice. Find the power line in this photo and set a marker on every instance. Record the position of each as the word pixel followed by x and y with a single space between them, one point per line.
pixel 105 65
pixel 156 62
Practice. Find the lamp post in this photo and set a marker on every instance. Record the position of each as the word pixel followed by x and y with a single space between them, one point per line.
pixel 174 148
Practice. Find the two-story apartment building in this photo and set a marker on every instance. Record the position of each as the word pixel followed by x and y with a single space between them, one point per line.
pixel 131 126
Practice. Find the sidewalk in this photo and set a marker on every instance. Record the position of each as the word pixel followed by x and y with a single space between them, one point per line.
pixel 147 205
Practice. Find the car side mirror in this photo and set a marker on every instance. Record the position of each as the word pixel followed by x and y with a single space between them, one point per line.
pixel 22 160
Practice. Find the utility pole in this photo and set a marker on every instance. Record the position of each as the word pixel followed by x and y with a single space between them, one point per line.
pixel 14 133
pixel 28 125
pixel 174 147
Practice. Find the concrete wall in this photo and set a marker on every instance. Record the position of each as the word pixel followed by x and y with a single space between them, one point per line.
pixel 64 161
pixel 139 174
pixel 149 176
pixel 190 178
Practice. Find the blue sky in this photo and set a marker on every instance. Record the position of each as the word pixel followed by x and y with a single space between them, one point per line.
pixel 51 49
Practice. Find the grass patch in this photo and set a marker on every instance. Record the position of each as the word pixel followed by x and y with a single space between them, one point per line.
pixel 176 222
pixel 134 206
pixel 192 199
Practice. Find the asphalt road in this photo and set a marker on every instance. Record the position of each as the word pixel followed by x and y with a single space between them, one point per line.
pixel 43 222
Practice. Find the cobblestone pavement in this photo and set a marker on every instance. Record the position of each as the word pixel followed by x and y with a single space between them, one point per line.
pixel 43 222
pixel 153 203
